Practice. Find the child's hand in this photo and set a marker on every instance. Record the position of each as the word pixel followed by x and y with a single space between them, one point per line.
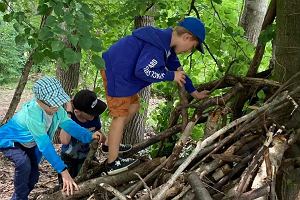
pixel 99 136
pixel 179 78
pixel 68 183
pixel 200 95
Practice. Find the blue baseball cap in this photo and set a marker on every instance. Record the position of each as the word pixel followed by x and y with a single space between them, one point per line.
pixel 196 27
pixel 49 90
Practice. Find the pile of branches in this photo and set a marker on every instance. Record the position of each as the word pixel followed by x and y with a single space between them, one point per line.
pixel 236 159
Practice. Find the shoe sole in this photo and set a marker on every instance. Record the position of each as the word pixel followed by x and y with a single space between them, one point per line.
pixel 117 171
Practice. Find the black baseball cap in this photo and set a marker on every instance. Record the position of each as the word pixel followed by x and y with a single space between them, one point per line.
pixel 87 101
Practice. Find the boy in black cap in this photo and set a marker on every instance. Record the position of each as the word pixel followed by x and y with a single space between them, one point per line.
pixel 86 111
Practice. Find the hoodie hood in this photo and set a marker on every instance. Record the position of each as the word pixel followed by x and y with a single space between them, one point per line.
pixel 160 38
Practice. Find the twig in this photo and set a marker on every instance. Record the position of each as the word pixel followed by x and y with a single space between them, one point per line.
pixel 155 171
pixel 145 184
pixel 199 189
pixel 113 191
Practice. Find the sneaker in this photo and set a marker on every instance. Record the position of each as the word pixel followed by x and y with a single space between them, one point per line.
pixel 122 149
pixel 121 165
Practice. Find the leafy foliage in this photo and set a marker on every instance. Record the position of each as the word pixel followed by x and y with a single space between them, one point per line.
pixel 91 26
pixel 12 57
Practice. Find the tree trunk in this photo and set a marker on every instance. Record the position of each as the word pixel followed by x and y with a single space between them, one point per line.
pixel 287 63
pixel 134 132
pixel 287 40
pixel 68 77
pixel 252 18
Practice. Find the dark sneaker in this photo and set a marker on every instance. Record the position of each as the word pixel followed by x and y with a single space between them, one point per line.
pixel 122 149
pixel 121 165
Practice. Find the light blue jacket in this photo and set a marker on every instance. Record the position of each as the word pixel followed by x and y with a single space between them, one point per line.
pixel 29 125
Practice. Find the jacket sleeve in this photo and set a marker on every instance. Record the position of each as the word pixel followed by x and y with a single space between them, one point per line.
pixel 173 62
pixel 151 67
pixel 189 85
pixel 45 145
pixel 75 130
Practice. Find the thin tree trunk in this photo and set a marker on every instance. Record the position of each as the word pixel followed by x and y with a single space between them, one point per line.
pixel 252 18
pixel 134 132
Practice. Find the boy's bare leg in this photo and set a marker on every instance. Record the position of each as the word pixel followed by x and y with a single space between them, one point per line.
pixel 133 108
pixel 116 132
pixel 114 137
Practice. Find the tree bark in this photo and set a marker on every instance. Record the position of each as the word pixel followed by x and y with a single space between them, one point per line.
pixel 134 132
pixel 287 56
pixel 252 18
pixel 68 77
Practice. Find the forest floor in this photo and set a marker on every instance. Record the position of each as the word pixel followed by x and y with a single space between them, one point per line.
pixel 48 177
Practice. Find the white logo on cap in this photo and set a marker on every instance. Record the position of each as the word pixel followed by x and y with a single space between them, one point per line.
pixel 94 103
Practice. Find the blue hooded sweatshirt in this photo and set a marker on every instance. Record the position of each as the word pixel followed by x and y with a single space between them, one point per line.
pixel 140 59
pixel 29 125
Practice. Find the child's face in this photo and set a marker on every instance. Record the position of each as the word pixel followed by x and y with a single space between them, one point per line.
pixel 50 110
pixel 82 116
pixel 185 44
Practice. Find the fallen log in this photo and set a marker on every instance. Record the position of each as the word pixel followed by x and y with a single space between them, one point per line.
pixel 89 186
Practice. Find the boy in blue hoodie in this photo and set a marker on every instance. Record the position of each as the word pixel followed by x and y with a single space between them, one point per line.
pixel 27 136
pixel 147 56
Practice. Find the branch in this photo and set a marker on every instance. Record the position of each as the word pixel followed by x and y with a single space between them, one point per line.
pixel 113 191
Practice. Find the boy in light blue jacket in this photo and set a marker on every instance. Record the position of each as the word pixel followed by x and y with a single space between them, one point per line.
pixel 147 56
pixel 27 137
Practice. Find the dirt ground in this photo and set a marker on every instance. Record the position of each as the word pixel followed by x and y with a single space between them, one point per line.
pixel 48 177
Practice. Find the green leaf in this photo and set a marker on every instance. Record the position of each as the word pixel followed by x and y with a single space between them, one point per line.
pixel 58 30
pixel 43 9
pixel 261 95
pixel 71 57
pixel 85 43
pixel 268 34
pixel 69 19
pixel 27 30
pixel 57 45
pixel 38 57
pixel 73 39
pixel 3 6
pixel 8 17
pixel 82 26
pixel 17 27
pixel 98 62
pixel 19 16
pixel 20 39
pixel 51 21
pixel 218 1
pixel 58 9
pixel 87 11
pixel 45 33
pixel 32 42
pixel 97 45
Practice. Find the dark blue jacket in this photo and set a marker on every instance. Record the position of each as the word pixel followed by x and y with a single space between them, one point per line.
pixel 140 59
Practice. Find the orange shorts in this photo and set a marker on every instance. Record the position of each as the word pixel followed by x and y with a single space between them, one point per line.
pixel 118 106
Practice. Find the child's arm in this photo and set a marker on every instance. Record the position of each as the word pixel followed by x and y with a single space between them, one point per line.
pixel 64 137
pixel 151 67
